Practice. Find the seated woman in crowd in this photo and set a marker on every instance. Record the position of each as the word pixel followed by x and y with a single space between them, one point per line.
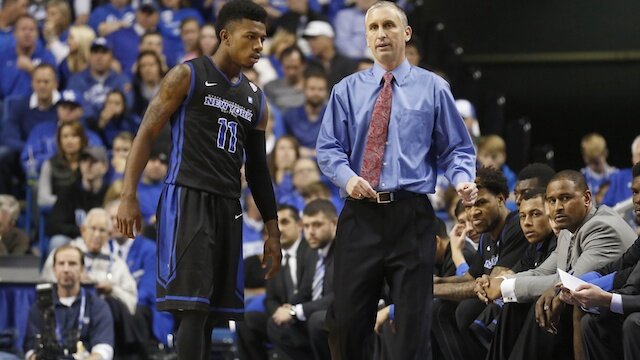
pixel 207 41
pixel 281 162
pixel 62 169
pixel 79 43
pixel 146 82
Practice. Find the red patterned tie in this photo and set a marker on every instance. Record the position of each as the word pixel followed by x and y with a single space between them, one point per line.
pixel 377 135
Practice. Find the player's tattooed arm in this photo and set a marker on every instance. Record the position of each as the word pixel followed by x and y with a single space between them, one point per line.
pixel 173 89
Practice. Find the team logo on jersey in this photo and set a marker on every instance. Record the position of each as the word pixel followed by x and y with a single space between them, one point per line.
pixel 253 86
pixel 228 107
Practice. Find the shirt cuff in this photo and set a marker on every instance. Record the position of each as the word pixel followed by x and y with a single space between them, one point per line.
pixel 461 269
pixel 104 350
pixel 343 174
pixel 299 312
pixel 392 311
pixel 508 289
pixel 616 304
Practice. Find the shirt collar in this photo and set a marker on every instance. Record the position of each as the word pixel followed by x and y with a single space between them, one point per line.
pixel 33 100
pixel 399 73
pixel 325 250
pixel 293 250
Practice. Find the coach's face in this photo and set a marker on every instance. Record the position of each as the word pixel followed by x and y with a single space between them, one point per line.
pixel 387 36
pixel 244 39
pixel 635 189
pixel 567 204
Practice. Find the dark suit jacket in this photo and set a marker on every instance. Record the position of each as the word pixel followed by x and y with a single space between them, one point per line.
pixel 627 278
pixel 306 288
pixel 623 266
pixel 276 294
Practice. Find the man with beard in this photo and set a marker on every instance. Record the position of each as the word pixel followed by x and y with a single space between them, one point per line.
pixel 502 243
pixel 498 318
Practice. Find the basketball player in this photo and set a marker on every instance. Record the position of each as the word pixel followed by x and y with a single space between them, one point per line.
pixel 217 118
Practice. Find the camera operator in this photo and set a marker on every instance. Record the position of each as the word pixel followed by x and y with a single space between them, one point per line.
pixel 83 322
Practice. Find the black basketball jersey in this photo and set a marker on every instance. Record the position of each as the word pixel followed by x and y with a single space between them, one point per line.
pixel 209 130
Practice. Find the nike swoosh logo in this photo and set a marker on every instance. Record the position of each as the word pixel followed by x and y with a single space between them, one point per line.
pixel 238 216
pixel 206 83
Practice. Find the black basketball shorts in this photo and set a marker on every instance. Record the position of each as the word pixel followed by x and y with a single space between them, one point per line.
pixel 200 263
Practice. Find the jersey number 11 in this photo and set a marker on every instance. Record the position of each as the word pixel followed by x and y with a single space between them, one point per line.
pixel 232 126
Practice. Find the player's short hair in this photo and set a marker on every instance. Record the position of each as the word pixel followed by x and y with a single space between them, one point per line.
pixel 540 171
pixel 236 10
pixel 534 193
pixel 493 180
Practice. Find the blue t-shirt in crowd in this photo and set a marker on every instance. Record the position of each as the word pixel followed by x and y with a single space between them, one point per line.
pixel 15 81
pixel 619 187
pixel 169 26
pixel 148 196
pixel 21 119
pixel 109 13
pixel 95 92
pixel 298 124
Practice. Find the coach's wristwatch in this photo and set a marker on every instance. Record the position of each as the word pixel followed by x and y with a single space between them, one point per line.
pixel 292 312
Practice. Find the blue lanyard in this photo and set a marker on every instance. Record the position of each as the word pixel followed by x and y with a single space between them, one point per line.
pixel 83 304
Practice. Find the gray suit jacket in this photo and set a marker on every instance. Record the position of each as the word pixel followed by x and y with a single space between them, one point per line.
pixel 603 237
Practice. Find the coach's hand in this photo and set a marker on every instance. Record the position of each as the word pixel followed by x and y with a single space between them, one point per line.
pixel 468 192
pixel 272 253
pixel 359 188
pixel 129 217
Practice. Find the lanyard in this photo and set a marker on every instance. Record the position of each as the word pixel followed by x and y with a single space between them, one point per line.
pixel 83 304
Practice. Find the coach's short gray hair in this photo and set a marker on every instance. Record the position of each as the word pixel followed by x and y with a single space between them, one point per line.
pixel 394 6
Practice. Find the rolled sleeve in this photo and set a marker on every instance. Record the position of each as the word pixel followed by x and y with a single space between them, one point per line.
pixel 508 289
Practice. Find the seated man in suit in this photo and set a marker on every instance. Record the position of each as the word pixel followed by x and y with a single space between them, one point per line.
pixel 590 238
pixel 612 331
pixel 282 290
pixel 297 329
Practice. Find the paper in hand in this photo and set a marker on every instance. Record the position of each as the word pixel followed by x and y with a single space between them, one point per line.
pixel 569 281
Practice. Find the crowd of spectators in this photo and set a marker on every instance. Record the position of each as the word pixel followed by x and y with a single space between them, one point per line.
pixel 75 80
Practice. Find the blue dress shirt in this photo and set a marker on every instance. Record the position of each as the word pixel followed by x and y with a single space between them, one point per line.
pixel 425 131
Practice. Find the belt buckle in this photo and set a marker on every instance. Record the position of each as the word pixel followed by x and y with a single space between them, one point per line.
pixel 384 197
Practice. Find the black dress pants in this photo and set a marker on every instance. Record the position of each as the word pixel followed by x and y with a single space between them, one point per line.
pixel 252 336
pixel 374 242
pixel 534 343
pixel 611 336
